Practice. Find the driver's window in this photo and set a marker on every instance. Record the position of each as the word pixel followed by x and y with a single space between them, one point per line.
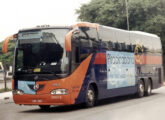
pixel 19 59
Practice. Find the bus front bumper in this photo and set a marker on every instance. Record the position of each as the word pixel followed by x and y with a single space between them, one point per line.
pixel 45 99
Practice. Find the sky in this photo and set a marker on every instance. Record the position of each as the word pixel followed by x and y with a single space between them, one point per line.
pixel 18 14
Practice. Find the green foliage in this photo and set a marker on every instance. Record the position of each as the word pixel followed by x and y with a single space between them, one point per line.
pixel 105 12
pixel 144 15
pixel 5 90
pixel 7 59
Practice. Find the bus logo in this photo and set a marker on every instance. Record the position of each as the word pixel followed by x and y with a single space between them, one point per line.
pixel 36 87
pixel 138 51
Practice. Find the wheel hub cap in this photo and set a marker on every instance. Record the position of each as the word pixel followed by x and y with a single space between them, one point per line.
pixel 90 95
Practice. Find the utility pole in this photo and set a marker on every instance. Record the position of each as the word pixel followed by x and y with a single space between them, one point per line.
pixel 5 82
pixel 126 4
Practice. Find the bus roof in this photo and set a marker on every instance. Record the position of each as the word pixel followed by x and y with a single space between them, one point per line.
pixel 45 27
pixel 87 24
pixel 113 28
pixel 135 32
pixel 144 33
pixel 79 24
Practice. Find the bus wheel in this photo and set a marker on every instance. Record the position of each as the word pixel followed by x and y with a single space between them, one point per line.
pixel 44 107
pixel 90 97
pixel 140 92
pixel 149 89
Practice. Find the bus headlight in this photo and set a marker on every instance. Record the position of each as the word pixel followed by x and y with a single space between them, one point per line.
pixel 18 92
pixel 59 92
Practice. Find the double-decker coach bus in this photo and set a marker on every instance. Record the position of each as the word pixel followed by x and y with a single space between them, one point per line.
pixel 83 63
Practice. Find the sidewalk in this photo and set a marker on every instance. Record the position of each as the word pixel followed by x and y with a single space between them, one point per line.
pixel 6 95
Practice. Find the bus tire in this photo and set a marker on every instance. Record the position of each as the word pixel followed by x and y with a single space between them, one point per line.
pixel 149 88
pixel 141 89
pixel 90 97
pixel 44 107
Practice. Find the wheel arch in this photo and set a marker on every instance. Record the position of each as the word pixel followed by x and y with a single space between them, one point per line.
pixel 95 87
pixel 150 79
pixel 144 81
pixel 140 91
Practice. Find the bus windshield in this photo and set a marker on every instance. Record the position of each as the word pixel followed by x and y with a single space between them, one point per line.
pixel 41 52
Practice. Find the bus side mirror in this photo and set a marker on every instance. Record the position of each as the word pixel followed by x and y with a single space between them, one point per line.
pixel 6 42
pixel 68 41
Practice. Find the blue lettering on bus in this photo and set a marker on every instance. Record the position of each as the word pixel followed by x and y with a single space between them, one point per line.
pixel 120 69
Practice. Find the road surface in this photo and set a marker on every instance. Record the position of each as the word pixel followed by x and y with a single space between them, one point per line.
pixel 120 108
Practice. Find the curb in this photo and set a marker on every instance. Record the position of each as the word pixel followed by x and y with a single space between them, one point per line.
pixel 6 95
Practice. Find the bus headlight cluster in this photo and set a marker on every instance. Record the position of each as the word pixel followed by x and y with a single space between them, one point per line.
pixel 60 92
pixel 18 92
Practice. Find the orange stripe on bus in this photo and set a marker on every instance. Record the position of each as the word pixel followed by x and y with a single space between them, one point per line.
pixel 139 59
pixel 73 82
pixel 68 38
pixel 86 24
pixel 69 35
pixel 145 59
pixel 100 58
pixel 45 99
pixel 12 84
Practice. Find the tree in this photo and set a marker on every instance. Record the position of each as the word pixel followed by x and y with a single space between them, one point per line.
pixel 7 59
pixel 144 15
pixel 105 12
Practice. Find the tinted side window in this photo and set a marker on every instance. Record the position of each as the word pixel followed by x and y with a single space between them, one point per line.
pixel 123 40
pixel 89 33
pixel 88 43
pixel 107 34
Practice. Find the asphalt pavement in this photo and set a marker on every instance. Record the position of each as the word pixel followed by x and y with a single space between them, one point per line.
pixel 120 108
